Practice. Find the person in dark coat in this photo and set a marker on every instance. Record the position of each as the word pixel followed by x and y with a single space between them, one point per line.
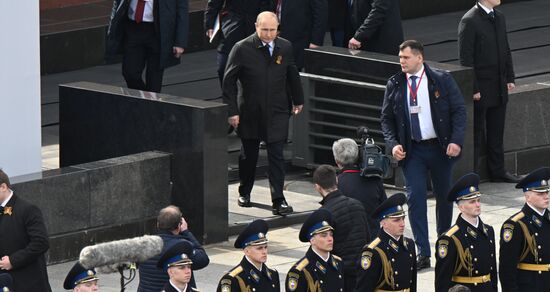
pixel 252 274
pixel 336 21
pixel 5 282
pixel 367 190
pixel 423 121
pixel 483 45
pixel 388 262
pixel 80 279
pixel 176 261
pixel 525 238
pixel 236 19
pixel 271 92
pixel 150 35
pixel 172 229
pixel 319 269
pixel 381 31
pixel 466 253
pixel 303 23
pixel 351 229
pixel 24 241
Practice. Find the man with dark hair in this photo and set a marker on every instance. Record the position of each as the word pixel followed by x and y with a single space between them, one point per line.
pixel 423 121
pixel 260 108
pixel 381 31
pixel 351 229
pixel 483 45
pixel 151 34
pixel 367 190
pixel 172 229
pixel 24 241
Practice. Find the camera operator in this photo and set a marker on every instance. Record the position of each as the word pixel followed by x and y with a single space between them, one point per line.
pixel 367 190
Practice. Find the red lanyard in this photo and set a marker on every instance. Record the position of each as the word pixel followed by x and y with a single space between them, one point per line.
pixel 351 171
pixel 413 94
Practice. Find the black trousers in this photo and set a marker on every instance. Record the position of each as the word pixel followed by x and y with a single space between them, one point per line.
pixel 489 125
pixel 142 49
pixel 248 159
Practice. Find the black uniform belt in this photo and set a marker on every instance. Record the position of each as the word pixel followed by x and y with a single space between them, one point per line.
pixel 472 280
pixel 534 267
pixel 433 141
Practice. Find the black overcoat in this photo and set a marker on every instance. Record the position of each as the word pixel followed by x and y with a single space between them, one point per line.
pixel 483 45
pixel 381 31
pixel 25 240
pixel 270 85
pixel 171 25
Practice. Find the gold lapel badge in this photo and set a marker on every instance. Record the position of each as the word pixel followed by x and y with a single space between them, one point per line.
pixel 437 94
pixel 8 211
pixel 279 60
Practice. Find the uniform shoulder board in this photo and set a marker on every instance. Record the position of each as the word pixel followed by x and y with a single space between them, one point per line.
pixel 518 216
pixel 374 243
pixel 302 264
pixel 452 231
pixel 337 257
pixel 237 270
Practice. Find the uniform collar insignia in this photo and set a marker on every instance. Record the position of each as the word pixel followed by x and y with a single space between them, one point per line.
pixel 321 267
pixel 485 230
pixel 537 221
pixel 268 273
pixel 393 245
pixel 471 232
pixel 335 263
pixel 254 276
pixel 405 245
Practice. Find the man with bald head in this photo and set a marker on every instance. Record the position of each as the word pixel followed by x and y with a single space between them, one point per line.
pixel 271 92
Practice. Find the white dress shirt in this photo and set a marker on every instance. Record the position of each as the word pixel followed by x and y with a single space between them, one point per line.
pixel 7 199
pixel 423 100
pixel 177 289
pixel 147 13
pixel 487 10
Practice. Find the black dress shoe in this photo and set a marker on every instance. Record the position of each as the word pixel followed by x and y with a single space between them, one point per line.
pixel 244 201
pixel 422 262
pixel 506 177
pixel 282 209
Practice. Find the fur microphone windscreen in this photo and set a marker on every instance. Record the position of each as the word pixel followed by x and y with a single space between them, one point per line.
pixel 134 250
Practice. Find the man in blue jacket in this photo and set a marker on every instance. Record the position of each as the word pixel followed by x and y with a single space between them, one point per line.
pixel 423 122
pixel 172 229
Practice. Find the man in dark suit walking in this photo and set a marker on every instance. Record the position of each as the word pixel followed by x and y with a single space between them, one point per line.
pixel 24 241
pixel 423 122
pixel 236 20
pixel 303 23
pixel 483 45
pixel 150 35
pixel 271 91
pixel 381 31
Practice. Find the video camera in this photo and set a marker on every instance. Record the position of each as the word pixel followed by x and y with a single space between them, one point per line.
pixel 372 161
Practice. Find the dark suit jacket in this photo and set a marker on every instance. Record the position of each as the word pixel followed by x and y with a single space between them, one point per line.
pixel 237 19
pixel 25 240
pixel 270 86
pixel 171 23
pixel 303 22
pixel 381 31
pixel 447 108
pixel 483 45
pixel 266 280
pixel 169 288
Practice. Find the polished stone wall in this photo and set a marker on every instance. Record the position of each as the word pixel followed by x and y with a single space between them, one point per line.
pixel 105 200
pixel 99 122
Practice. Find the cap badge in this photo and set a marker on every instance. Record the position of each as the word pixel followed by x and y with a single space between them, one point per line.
pixel 472 189
pixel 543 182
pixel 90 273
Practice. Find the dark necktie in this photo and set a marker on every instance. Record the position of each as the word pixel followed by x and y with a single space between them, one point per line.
pixel 416 135
pixel 140 9
pixel 492 15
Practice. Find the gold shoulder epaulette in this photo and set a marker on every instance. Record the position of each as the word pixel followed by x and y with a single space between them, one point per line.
pixel 452 231
pixel 195 289
pixel 374 243
pixel 302 264
pixel 337 257
pixel 235 271
pixel 518 216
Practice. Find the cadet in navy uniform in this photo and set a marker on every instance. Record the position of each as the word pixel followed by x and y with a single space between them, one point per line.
pixel 388 263
pixel 80 279
pixel 251 274
pixel 524 263
pixel 465 254
pixel 5 282
pixel 177 263
pixel 319 270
